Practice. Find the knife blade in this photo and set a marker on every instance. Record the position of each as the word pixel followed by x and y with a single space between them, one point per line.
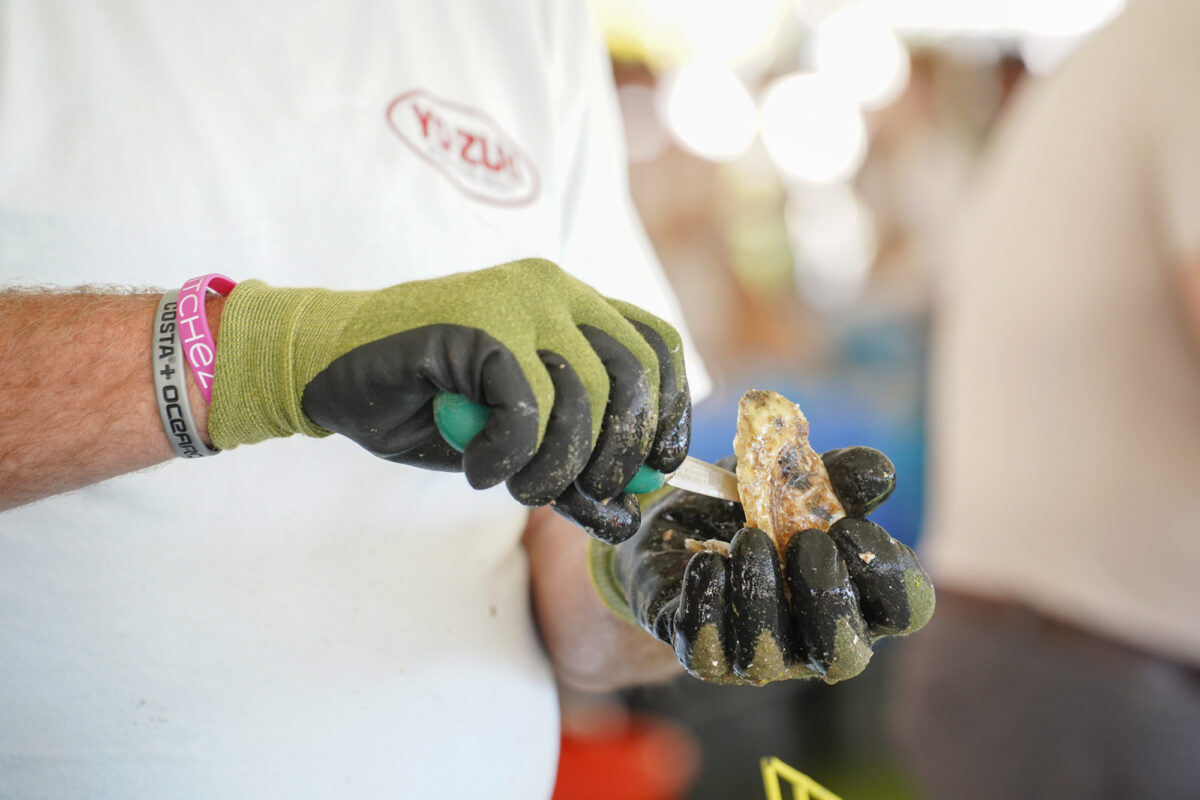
pixel 459 419
pixel 701 477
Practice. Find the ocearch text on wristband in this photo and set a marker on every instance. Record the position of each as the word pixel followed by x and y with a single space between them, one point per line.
pixel 194 333
pixel 170 386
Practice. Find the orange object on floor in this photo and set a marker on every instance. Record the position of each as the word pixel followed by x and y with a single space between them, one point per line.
pixel 634 758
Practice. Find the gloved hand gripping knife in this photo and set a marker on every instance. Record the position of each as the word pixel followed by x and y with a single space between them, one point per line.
pixel 583 389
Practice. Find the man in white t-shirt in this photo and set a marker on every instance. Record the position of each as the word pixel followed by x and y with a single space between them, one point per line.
pixel 297 618
pixel 1064 504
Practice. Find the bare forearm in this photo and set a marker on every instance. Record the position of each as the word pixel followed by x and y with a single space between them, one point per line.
pixel 76 391
pixel 591 648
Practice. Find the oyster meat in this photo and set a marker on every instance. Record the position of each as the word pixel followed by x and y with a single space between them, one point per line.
pixel 782 481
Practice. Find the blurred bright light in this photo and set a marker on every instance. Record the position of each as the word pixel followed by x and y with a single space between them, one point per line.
pixel 709 110
pixel 834 242
pixel 811 130
pixel 1058 18
pixel 710 30
pixel 860 53
pixel 670 32
pixel 1066 18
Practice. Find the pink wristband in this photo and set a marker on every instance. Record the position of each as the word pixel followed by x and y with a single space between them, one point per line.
pixel 194 334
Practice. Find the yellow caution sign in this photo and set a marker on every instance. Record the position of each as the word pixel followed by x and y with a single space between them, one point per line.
pixel 776 772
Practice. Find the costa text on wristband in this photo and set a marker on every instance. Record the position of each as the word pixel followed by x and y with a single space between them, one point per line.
pixel 170 384
pixel 195 336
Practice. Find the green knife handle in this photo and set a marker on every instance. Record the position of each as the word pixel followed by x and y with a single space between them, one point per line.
pixel 459 419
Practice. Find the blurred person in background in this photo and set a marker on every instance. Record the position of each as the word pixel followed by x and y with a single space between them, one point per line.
pixel 1064 530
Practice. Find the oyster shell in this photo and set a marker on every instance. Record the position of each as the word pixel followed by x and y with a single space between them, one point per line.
pixel 782 481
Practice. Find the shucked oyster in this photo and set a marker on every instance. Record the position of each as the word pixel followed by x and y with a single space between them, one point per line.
pixel 782 481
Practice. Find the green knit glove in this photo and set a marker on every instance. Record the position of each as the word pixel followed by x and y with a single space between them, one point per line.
pixel 583 389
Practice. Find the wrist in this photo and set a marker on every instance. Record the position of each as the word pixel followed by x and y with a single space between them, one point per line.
pixel 214 304
pixel 177 392
pixel 601 566
pixel 274 341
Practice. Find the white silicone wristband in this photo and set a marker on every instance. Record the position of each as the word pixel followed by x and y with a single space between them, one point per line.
pixel 170 383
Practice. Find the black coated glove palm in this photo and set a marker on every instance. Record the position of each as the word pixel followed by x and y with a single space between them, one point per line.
pixel 743 619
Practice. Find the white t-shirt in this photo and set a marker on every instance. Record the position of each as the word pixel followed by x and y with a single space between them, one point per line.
pixel 1067 410
pixel 297 618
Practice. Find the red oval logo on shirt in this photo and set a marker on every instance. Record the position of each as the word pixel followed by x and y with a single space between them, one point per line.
pixel 467 146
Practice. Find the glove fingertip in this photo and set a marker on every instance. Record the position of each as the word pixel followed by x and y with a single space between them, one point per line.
pixel 502 448
pixel 751 543
pixel 674 435
pixel 612 521
pixel 922 599
pixel 825 608
pixel 759 608
pixel 896 594
pixel 851 653
pixel 673 426
pixel 701 641
pixel 627 430
pixel 862 477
